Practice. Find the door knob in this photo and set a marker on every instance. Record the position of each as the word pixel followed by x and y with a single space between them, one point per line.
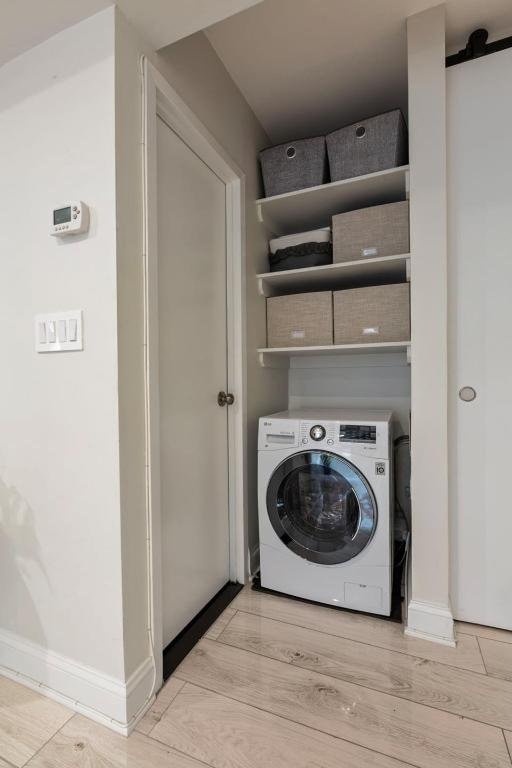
pixel 225 398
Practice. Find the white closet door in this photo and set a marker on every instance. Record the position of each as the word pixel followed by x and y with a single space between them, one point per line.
pixel 480 343
pixel 192 370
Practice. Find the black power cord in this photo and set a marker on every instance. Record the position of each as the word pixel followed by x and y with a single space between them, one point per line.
pixel 397 444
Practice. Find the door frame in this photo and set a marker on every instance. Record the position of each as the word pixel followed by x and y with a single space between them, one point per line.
pixel 159 98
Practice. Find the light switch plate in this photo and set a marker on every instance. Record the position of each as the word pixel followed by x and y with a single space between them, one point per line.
pixel 59 331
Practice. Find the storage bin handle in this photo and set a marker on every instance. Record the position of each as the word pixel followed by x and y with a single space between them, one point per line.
pixel 360 131
pixel 291 152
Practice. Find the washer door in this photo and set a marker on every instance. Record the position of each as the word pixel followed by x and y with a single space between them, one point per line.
pixel 321 507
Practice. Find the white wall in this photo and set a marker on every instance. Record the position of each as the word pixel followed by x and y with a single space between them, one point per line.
pixel 59 457
pixel 193 68
pixel 60 558
pixel 429 613
pixel 195 72
pixel 356 381
pixel 73 544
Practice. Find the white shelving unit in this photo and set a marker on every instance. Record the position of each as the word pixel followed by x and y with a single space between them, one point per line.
pixel 313 207
pixel 279 357
pixel 348 274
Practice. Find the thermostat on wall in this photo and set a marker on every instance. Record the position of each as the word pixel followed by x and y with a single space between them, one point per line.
pixel 69 219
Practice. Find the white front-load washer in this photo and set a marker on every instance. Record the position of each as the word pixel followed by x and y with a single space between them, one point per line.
pixel 325 506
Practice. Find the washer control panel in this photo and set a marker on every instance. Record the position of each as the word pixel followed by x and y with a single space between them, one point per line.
pixel 317 433
pixel 358 433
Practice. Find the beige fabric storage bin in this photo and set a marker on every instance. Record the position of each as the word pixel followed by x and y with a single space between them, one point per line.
pixel 300 320
pixel 372 315
pixel 382 230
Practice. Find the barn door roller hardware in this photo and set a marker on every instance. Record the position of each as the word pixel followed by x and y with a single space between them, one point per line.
pixel 478 46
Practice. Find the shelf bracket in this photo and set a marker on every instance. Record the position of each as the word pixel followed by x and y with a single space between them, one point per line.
pixel 259 214
pixel 407 184
pixel 273 361
pixel 408 352
pixel 408 270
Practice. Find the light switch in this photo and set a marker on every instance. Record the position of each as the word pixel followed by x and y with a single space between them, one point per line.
pixel 51 333
pixel 59 332
pixel 72 325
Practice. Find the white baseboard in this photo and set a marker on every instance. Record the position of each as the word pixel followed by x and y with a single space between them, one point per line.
pixel 102 698
pixel 140 693
pixel 430 622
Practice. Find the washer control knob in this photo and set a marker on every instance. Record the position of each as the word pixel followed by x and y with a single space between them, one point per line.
pixel 317 432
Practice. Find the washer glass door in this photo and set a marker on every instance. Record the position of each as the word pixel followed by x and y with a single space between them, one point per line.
pixel 321 507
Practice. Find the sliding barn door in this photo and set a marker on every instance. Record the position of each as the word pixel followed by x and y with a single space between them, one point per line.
pixel 480 343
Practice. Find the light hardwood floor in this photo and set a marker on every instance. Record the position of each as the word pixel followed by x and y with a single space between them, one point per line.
pixel 277 683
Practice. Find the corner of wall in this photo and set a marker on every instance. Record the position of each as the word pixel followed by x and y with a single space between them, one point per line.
pixel 430 622
pixel 129 49
pixel 429 612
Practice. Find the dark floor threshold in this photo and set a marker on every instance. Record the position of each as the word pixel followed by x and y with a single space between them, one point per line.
pixel 396 600
pixel 183 643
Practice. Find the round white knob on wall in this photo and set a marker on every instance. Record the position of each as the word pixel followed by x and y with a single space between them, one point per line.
pixel 467 394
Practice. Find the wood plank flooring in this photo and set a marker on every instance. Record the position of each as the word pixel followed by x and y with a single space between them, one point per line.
pixel 83 743
pixel 497 658
pixel 357 626
pixel 226 734
pixel 508 739
pixel 221 623
pixel 277 683
pixel 27 721
pixel 165 697
pixel 369 718
pixel 425 682
pixel 490 633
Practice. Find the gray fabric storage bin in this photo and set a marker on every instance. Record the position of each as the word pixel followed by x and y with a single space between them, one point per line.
pixel 300 320
pixel 371 145
pixel 294 165
pixel 382 230
pixel 372 315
